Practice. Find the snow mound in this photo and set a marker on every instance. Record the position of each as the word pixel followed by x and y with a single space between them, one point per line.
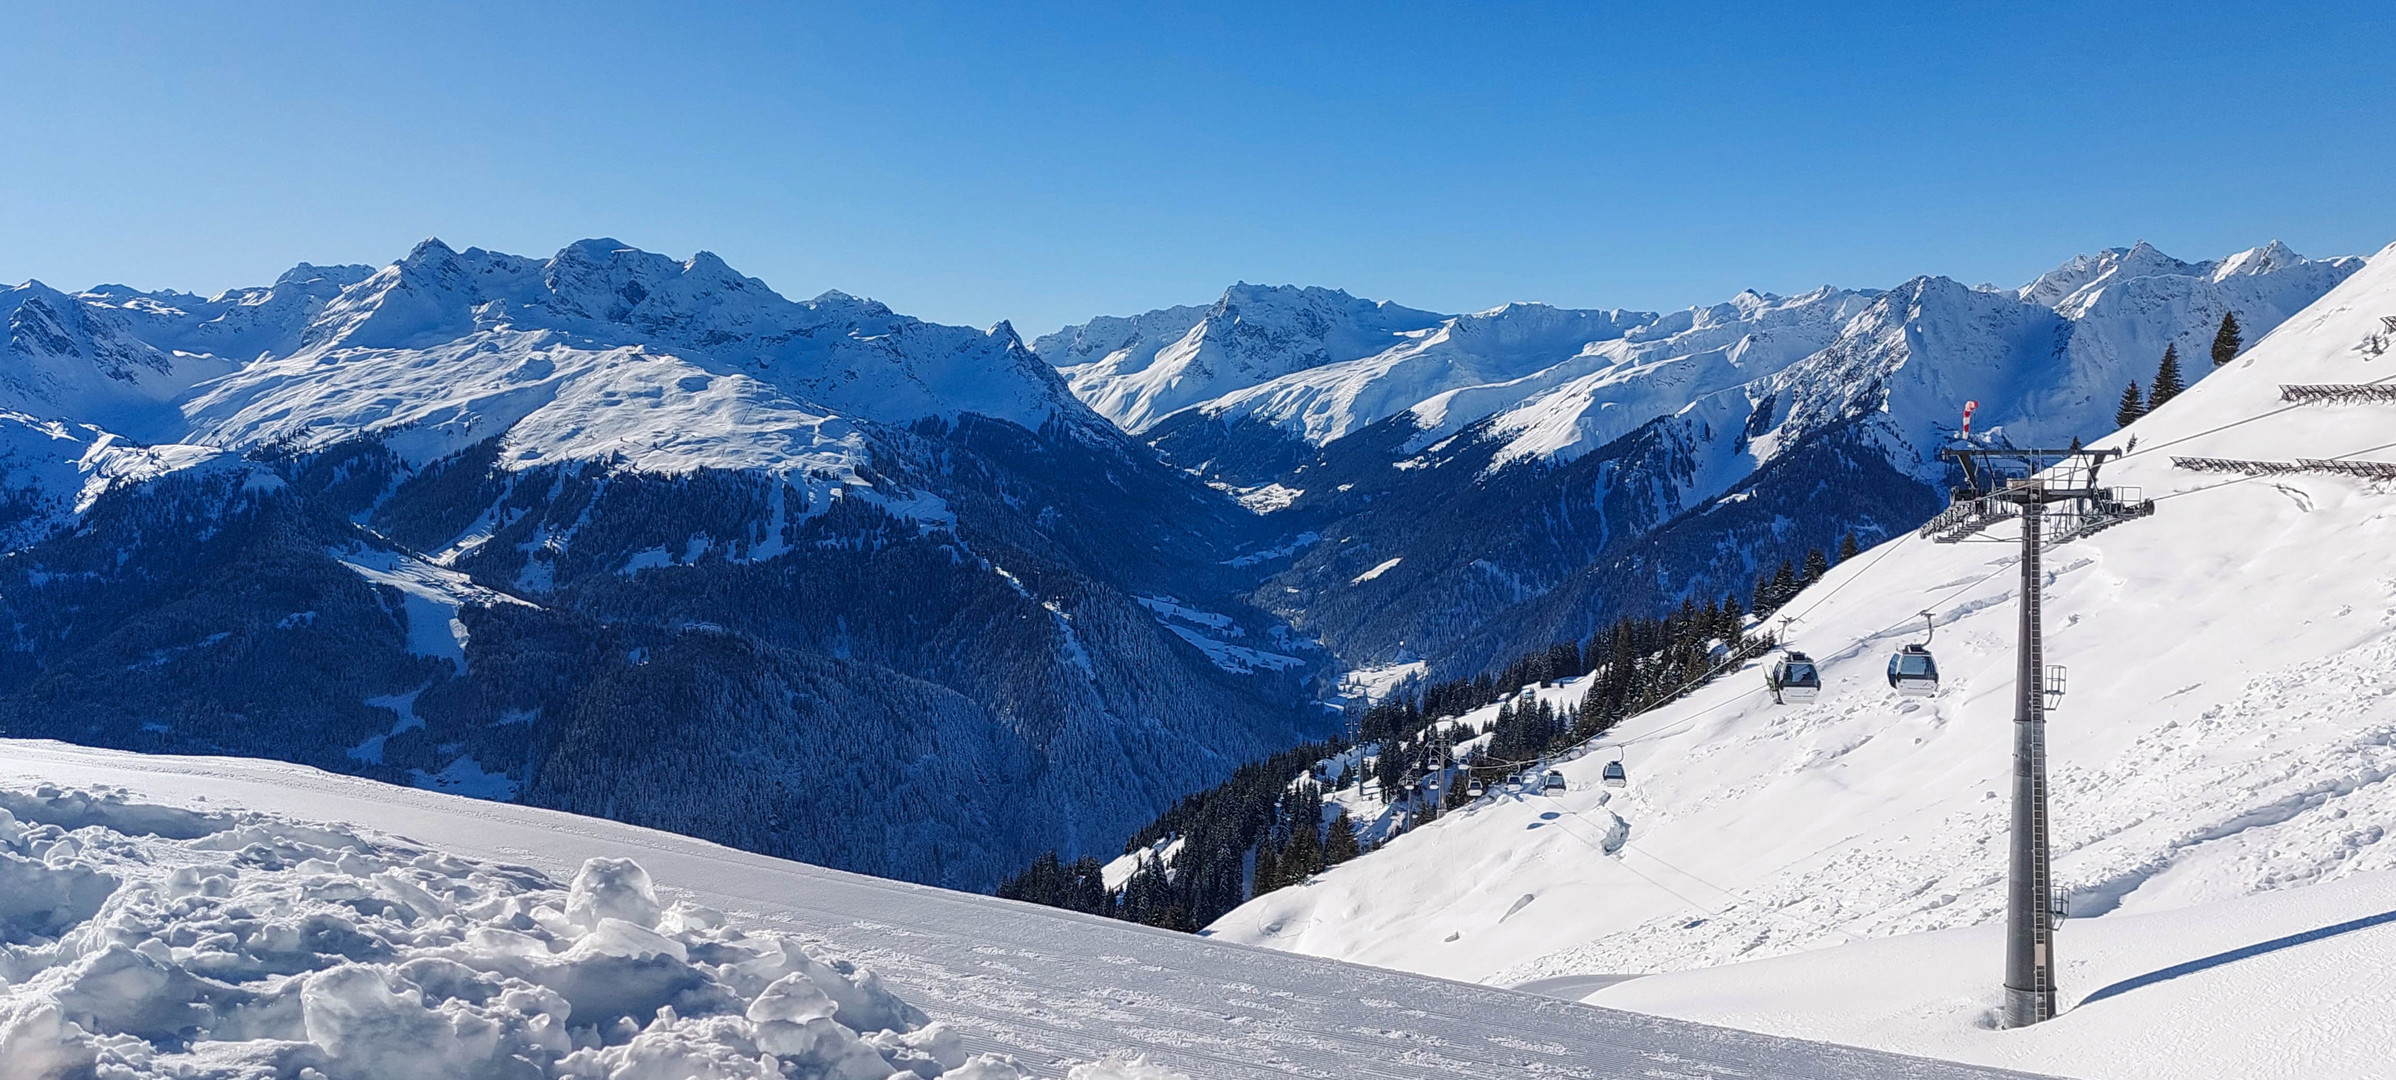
pixel 141 941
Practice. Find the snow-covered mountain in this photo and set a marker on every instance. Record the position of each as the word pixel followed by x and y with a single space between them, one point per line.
pixel 2226 733
pixel 1141 369
pixel 542 527
pixel 1527 473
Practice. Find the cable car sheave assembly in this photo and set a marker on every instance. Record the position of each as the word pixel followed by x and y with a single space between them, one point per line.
pixel 2055 496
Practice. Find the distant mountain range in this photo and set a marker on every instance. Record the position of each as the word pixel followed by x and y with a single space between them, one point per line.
pixel 1526 472
pixel 623 534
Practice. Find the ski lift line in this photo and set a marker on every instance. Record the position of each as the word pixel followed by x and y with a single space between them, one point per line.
pixel 1600 848
pixel 1726 665
pixel 1885 552
pixel 1735 897
pixel 1708 912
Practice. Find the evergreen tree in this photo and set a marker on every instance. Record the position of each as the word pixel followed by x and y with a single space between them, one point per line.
pixel 2227 340
pixel 1848 548
pixel 1303 857
pixel 1340 846
pixel 1816 565
pixel 2167 379
pixel 2132 406
pixel 1388 769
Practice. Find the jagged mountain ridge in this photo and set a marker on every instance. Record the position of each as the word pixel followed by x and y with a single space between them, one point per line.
pixel 1732 436
pixel 628 535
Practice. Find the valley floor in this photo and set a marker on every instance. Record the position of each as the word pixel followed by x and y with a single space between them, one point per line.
pixel 1048 987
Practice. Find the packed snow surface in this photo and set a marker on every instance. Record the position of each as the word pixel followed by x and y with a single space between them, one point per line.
pixel 142 940
pixel 2229 732
pixel 2296 983
pixel 222 915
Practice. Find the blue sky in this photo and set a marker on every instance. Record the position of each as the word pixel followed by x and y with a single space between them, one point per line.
pixel 1042 163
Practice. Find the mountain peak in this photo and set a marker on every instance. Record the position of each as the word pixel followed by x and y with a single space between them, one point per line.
pixel 2259 260
pixel 429 251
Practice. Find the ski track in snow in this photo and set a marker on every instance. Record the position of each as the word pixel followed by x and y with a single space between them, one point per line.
pixel 1045 986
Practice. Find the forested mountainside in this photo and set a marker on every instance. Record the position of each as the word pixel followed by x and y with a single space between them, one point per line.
pixel 632 536
pixel 1501 480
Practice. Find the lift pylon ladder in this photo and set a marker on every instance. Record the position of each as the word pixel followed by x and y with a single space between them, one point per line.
pixel 2038 488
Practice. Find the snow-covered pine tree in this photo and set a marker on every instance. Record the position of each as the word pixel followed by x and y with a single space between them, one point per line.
pixel 2132 405
pixel 2168 383
pixel 1848 548
pixel 2227 340
pixel 1816 565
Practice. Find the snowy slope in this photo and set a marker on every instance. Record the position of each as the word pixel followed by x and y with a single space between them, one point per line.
pixel 1562 382
pixel 2043 374
pixel 67 359
pixel 1051 989
pixel 1508 351
pixel 1651 371
pixel 52 470
pixel 601 352
pixel 2230 730
pixel 2289 983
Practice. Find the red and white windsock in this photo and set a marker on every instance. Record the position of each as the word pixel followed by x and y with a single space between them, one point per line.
pixel 1967 416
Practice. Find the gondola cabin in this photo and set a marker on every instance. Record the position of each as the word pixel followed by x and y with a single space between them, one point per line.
pixel 1913 672
pixel 1554 781
pixel 1794 678
pixel 1614 776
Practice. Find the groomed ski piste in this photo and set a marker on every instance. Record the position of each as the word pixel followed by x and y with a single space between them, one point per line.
pixel 237 919
pixel 1835 870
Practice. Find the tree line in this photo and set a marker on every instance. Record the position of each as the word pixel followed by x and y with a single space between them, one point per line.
pixel 2168 382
